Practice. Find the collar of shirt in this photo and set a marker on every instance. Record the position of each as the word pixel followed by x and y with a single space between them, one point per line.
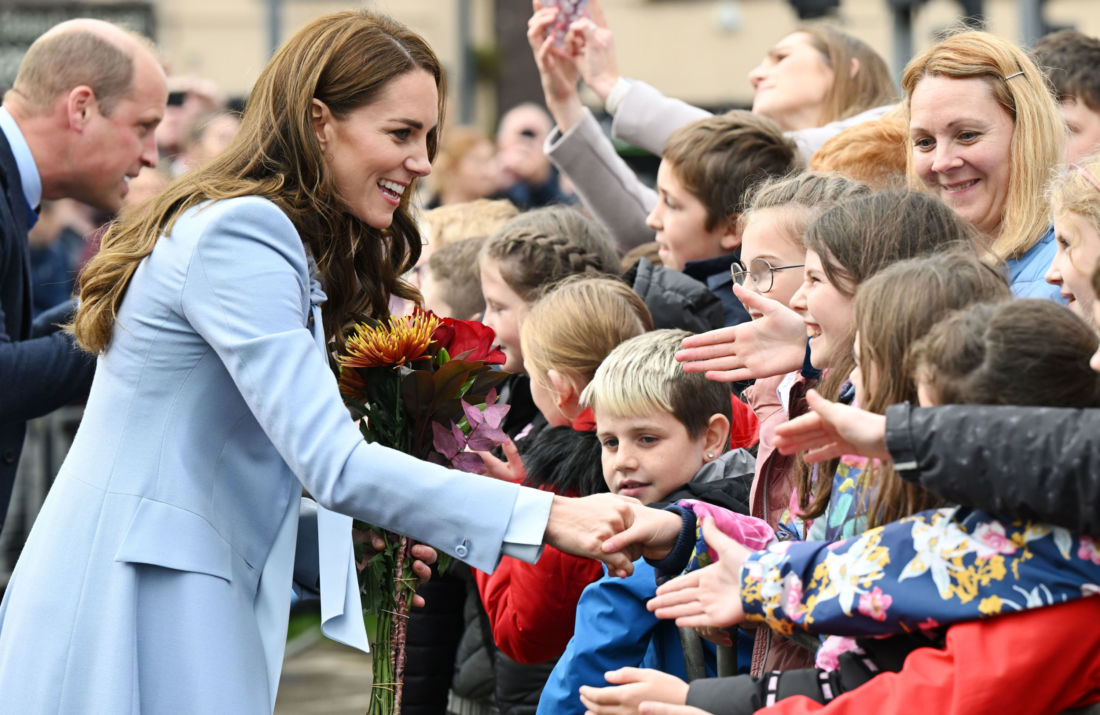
pixel 28 171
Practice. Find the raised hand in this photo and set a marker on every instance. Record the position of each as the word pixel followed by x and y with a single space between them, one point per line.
pixel 558 71
pixel 510 469
pixel 632 687
pixel 831 430
pixel 594 45
pixel 582 526
pixel 711 596
pixel 773 344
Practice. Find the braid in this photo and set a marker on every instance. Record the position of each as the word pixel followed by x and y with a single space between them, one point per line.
pixel 541 247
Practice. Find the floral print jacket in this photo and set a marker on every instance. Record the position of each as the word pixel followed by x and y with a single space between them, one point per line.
pixel 931 569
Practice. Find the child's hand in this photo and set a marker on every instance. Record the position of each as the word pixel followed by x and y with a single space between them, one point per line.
pixel 773 344
pixel 832 430
pixel 651 708
pixel 582 526
pixel 654 531
pixel 710 596
pixel 508 471
pixel 633 686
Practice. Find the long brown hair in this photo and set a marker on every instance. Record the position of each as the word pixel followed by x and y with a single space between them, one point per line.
pixel 851 94
pixel 344 60
pixel 856 239
pixel 889 321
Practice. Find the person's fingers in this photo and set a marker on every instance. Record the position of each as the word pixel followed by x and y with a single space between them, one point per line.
pixel 377 541
pixel 424 553
pixel 729 375
pixel 595 11
pixel 754 301
pixel 418 601
pixel 719 336
pixel 649 707
pixel 687 609
pixel 680 583
pixel 421 571
pixel 624 675
pixel 716 538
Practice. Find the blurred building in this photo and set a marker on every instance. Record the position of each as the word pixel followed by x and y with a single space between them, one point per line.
pixel 698 50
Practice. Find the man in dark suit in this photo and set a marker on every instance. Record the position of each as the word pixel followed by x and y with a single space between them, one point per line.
pixel 78 123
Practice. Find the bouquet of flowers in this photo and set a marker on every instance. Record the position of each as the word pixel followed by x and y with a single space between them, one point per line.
pixel 424 385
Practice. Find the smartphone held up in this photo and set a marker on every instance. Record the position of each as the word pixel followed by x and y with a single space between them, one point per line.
pixel 568 12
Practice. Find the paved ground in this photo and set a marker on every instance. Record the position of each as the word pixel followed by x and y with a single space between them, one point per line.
pixel 324 678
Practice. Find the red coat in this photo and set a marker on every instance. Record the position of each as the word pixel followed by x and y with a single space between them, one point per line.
pixel 532 607
pixel 1040 661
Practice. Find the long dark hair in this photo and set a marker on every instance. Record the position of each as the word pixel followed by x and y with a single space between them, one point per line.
pixel 344 60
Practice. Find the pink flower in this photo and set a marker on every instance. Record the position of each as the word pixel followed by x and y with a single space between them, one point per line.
pixel 828 655
pixel 874 604
pixel 1089 550
pixel 992 540
pixel 792 597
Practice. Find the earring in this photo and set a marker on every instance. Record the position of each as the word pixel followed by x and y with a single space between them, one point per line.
pixel 710 455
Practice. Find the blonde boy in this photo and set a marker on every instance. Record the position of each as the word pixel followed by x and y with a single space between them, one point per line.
pixel 663 434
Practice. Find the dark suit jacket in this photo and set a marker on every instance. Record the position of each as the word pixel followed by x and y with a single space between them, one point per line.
pixel 40 370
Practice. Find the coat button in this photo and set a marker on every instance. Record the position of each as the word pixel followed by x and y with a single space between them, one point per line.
pixel 462 550
pixel 9 456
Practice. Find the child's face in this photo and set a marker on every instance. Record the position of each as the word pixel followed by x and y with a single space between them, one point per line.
pixel 680 218
pixel 1094 363
pixel 862 377
pixel 504 313
pixel 648 456
pixel 1084 130
pixel 765 238
pixel 1071 270
pixel 827 312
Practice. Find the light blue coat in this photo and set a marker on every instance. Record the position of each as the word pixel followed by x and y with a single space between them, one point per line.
pixel 140 587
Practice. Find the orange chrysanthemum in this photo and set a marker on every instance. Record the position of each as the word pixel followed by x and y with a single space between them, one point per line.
pixel 404 339
pixel 351 383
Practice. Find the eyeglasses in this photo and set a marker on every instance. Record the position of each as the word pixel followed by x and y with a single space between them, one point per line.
pixel 761 272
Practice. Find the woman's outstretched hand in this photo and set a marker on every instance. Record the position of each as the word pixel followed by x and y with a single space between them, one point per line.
pixel 773 344
pixel 711 596
pixel 832 430
pixel 580 526
pixel 630 688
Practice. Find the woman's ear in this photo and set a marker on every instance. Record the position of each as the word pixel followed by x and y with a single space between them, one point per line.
pixel 855 68
pixel 717 435
pixel 731 232
pixel 321 118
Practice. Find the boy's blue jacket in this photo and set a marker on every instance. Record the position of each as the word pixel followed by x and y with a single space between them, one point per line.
pixel 614 629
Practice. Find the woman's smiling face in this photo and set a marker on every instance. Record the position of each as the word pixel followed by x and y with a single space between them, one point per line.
pixel 962 147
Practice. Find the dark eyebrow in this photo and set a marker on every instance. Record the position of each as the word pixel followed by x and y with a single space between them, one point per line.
pixel 411 122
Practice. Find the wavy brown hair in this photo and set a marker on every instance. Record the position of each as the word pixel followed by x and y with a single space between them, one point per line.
pixel 889 322
pixel 856 239
pixel 851 93
pixel 344 60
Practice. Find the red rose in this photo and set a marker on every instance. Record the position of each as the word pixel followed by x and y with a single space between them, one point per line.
pixel 468 340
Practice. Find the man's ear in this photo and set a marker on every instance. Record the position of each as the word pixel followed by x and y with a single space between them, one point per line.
pixel 731 232
pixel 321 119
pixel 80 102
pixel 717 435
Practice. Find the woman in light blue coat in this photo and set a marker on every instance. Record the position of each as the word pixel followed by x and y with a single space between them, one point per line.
pixel 157 576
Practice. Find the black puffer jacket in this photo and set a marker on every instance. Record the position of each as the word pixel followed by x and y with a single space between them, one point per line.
pixel 674 299
pixel 1039 463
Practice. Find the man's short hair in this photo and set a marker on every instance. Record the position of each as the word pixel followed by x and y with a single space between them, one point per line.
pixel 1070 59
pixel 718 159
pixel 641 376
pixel 59 61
